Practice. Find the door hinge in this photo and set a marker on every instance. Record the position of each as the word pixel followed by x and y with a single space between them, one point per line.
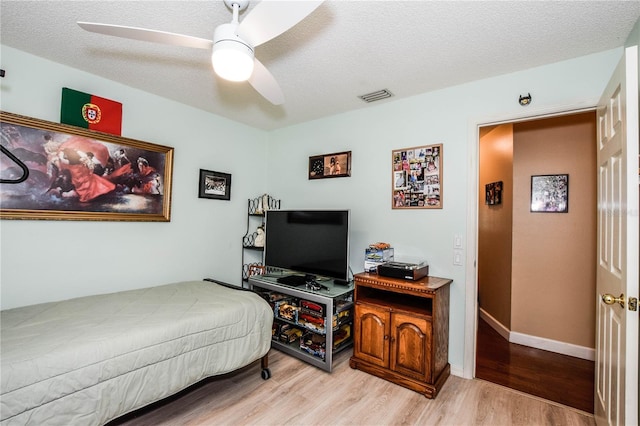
pixel 633 304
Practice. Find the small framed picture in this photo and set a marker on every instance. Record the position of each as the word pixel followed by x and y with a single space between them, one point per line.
pixel 493 193
pixel 215 185
pixel 330 165
pixel 550 193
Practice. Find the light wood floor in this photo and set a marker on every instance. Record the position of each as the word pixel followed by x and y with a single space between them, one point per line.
pixel 299 394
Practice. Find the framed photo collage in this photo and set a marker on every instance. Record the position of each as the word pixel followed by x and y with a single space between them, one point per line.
pixel 417 177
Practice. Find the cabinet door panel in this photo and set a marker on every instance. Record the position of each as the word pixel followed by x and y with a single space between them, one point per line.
pixel 372 328
pixel 410 346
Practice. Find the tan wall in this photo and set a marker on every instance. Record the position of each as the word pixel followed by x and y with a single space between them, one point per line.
pixel 495 223
pixel 554 254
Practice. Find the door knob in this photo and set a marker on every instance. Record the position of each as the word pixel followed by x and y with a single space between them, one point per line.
pixel 610 299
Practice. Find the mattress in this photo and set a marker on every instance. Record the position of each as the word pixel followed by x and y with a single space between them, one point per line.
pixel 89 360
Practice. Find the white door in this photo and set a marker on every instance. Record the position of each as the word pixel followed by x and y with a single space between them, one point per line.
pixel 616 375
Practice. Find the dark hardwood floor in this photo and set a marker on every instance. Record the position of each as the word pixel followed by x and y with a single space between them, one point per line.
pixel 556 377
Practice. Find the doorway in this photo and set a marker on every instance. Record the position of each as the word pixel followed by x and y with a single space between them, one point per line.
pixel 536 270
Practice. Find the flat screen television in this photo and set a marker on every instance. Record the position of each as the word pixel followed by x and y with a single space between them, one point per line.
pixel 313 242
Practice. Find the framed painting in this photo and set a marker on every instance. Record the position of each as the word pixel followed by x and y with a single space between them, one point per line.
pixel 550 193
pixel 417 177
pixel 61 172
pixel 214 185
pixel 493 193
pixel 333 165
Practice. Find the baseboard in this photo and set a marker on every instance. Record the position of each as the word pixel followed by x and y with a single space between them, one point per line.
pixel 556 346
pixel 553 346
pixel 457 371
pixel 495 324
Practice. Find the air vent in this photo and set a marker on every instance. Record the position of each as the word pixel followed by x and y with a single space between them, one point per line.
pixel 376 96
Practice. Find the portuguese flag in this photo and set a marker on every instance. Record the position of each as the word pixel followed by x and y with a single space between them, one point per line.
pixel 91 112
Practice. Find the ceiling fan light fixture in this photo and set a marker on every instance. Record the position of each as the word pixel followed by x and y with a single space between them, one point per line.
pixel 232 58
pixel 232 47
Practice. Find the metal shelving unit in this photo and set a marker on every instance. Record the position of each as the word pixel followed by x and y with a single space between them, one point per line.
pixel 252 256
pixel 335 299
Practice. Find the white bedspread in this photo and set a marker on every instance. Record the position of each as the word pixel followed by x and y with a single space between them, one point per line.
pixel 89 360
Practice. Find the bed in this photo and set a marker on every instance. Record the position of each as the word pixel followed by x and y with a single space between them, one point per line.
pixel 89 360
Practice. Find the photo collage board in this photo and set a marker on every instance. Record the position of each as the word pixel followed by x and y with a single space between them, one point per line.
pixel 417 177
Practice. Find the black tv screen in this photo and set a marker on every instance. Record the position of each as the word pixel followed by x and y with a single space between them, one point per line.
pixel 314 242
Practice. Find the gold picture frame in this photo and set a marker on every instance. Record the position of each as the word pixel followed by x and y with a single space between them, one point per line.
pixel 416 177
pixel 60 172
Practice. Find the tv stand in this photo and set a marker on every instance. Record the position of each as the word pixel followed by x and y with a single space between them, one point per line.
pixel 324 319
pixel 294 280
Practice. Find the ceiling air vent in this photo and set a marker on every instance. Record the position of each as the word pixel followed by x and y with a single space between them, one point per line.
pixel 376 96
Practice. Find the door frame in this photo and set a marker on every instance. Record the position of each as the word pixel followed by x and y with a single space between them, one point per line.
pixel 471 270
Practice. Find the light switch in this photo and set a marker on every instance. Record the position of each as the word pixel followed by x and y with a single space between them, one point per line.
pixel 457 241
pixel 457 257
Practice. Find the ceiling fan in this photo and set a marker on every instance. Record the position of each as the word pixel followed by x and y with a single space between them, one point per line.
pixel 233 44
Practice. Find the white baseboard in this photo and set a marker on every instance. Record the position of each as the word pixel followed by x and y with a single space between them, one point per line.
pixel 553 346
pixel 556 346
pixel 457 371
pixel 495 324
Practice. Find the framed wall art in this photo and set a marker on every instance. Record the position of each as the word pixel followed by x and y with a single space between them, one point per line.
pixel 417 177
pixel 493 193
pixel 550 193
pixel 61 172
pixel 214 185
pixel 330 165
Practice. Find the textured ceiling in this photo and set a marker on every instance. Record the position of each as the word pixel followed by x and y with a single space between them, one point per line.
pixel 342 50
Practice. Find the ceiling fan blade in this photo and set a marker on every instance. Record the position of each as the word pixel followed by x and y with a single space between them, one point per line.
pixel 269 19
pixel 143 34
pixel 265 83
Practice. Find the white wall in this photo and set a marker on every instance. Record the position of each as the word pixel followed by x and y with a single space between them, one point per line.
pixel 447 116
pixel 53 260
pixel 45 260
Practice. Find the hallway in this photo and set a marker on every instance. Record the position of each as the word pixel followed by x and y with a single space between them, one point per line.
pixel 556 377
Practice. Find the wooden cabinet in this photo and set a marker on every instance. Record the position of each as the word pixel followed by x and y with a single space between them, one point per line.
pixel 401 330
